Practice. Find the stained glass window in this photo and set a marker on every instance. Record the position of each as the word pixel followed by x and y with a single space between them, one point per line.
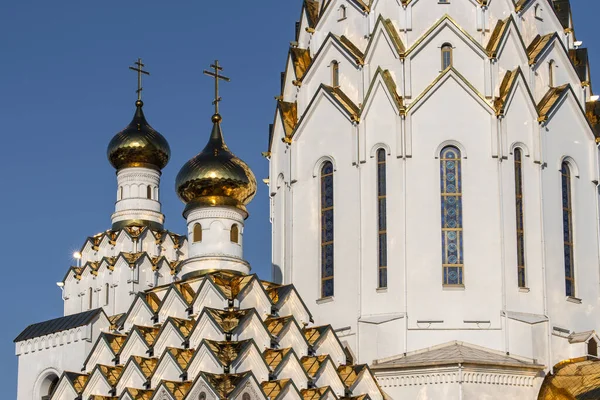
pixel 382 219
pixel 327 229
pixel 568 230
pixel 446 56
pixel 518 154
pixel 452 224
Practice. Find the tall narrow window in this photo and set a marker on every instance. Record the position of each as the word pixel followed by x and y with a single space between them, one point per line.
pixel 446 56
pixel 106 294
pixel 121 193
pixel 90 299
pixel 452 229
pixel 519 207
pixel 342 13
pixel 568 230
pixel 149 192
pixel 197 233
pixel 234 234
pixel 551 66
pixel 335 74
pixel 382 219
pixel 327 229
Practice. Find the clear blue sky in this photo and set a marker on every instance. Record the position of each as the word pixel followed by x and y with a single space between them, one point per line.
pixel 65 90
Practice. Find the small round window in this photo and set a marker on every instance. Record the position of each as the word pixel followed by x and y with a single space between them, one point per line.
pixel 202 396
pixel 245 396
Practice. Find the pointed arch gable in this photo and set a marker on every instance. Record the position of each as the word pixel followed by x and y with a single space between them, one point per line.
pixel 446 22
pixel 384 80
pixel 555 99
pixel 345 48
pixel 450 73
pixel 504 31
pixel 337 98
pixel 513 81
pixel 385 28
pixel 540 53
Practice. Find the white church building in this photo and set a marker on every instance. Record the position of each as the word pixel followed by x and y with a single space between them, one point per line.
pixel 435 219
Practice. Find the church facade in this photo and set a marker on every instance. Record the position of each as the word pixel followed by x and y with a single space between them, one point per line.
pixel 434 191
pixel 153 315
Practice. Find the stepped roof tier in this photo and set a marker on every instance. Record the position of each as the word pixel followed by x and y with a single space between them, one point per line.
pixel 224 335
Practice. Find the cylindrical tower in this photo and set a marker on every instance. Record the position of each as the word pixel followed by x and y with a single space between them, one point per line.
pixel 138 153
pixel 216 186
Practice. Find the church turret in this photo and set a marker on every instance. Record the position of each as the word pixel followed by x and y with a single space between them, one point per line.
pixel 216 186
pixel 138 153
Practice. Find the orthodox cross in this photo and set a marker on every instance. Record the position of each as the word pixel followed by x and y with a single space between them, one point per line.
pixel 138 68
pixel 216 67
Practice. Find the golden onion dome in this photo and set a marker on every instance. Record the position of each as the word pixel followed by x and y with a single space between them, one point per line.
pixel 139 145
pixel 216 177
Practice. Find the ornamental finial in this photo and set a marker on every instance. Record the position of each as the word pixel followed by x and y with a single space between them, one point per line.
pixel 216 67
pixel 139 69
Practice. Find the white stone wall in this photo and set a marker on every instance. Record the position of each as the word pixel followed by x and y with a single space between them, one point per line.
pixel 455 108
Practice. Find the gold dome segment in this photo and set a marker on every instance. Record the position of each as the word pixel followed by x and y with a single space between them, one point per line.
pixel 216 177
pixel 139 145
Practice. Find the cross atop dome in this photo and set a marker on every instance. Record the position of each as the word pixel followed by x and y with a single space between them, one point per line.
pixel 140 71
pixel 216 67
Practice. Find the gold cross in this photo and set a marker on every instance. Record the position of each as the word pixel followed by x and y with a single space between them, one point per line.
pixel 140 71
pixel 216 67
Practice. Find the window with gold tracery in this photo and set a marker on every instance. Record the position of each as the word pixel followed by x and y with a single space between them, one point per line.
pixel 327 226
pixel 567 216
pixel 452 218
pixel 518 155
pixel 446 56
pixel 381 219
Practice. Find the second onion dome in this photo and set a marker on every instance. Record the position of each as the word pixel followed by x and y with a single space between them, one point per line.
pixel 139 145
pixel 216 177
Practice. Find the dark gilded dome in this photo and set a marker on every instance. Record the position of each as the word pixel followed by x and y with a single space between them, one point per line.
pixel 215 176
pixel 139 145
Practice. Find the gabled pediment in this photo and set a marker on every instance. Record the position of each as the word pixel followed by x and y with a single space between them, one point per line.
pixel 512 81
pixel 281 389
pixel 385 28
pixel 382 80
pixel 136 373
pixel 172 365
pixel 171 390
pixel 502 32
pixel 69 386
pixel 446 22
pixel 105 349
pixel 445 76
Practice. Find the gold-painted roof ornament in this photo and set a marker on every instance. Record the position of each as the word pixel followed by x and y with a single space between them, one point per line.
pixel 139 145
pixel 216 177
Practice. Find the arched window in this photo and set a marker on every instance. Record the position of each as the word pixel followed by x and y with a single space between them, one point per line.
pixel 234 234
pixel 568 230
pixel 342 12
pixel 551 66
pixel 149 191
pixel 106 294
pixel 335 74
pixel 382 219
pixel 90 299
pixel 197 233
pixel 327 229
pixel 202 396
pixel 245 396
pixel 592 348
pixel 518 155
pixel 48 385
pixel 446 55
pixel 452 228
